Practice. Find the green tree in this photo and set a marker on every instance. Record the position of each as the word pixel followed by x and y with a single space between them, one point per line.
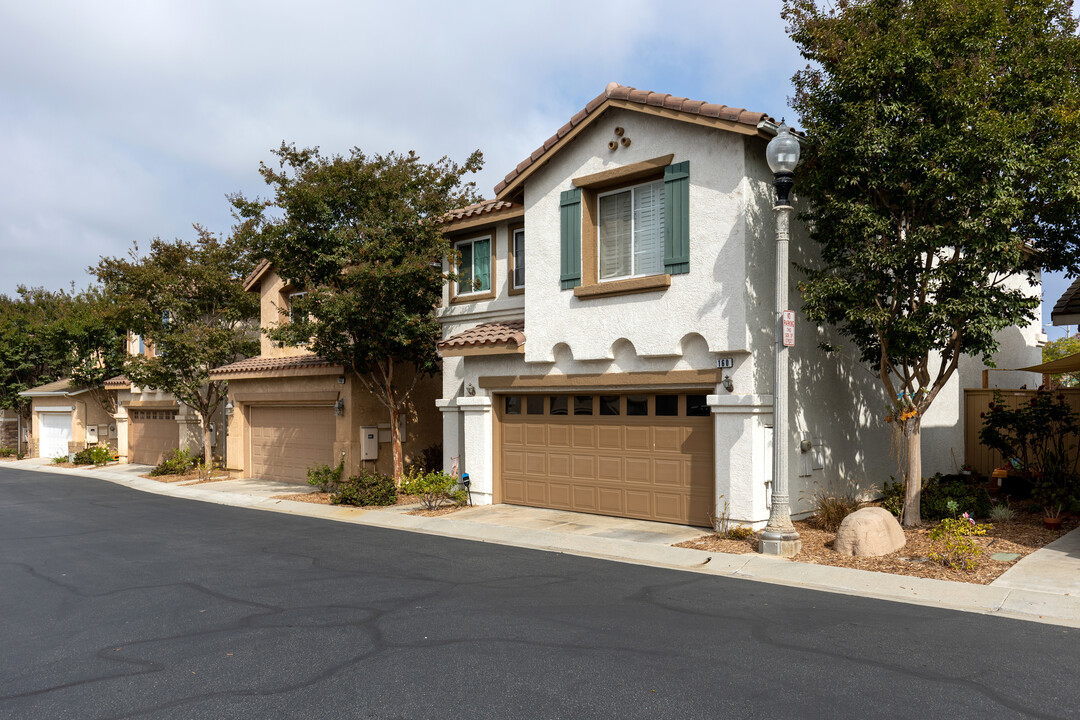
pixel 47 335
pixel 1057 349
pixel 187 300
pixel 940 169
pixel 361 235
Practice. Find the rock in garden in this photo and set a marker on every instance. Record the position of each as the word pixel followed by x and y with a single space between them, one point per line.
pixel 869 532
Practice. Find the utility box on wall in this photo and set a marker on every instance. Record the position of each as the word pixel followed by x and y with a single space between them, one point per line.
pixel 369 443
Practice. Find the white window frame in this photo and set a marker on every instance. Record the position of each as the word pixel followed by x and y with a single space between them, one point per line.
pixel 633 238
pixel 472 271
pixel 519 258
pixel 302 293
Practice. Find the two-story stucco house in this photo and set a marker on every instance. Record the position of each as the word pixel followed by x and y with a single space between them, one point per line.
pixel 289 409
pixel 609 348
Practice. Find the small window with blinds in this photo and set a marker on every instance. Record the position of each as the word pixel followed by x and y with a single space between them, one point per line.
pixel 474 269
pixel 630 232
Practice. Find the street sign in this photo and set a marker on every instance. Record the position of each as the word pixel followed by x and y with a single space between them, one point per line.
pixel 789 327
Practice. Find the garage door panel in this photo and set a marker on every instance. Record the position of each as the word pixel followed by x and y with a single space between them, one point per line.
pixel 535 463
pixel 559 465
pixel 609 468
pixel 640 466
pixel 55 430
pixel 286 441
pixel 609 438
pixel 637 438
pixel 558 436
pixel 153 435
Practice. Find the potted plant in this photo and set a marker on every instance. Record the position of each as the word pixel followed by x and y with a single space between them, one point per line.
pixel 966 469
pixel 1054 491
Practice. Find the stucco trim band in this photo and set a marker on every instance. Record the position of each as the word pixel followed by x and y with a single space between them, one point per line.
pixel 630 380
pixel 285 398
pixel 646 169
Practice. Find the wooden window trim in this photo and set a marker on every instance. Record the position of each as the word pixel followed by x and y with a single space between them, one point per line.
pixel 489 294
pixel 591 188
pixel 510 230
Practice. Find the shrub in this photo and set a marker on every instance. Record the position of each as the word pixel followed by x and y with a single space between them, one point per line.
pixel 830 509
pixel 6 451
pixel 1001 513
pixel 97 455
pixel 937 492
pixel 739 532
pixel 430 459
pixel 59 459
pixel 176 464
pixel 365 489
pixel 435 488
pixel 325 478
pixel 953 544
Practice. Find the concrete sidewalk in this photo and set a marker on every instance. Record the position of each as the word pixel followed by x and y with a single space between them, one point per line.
pixel 1042 587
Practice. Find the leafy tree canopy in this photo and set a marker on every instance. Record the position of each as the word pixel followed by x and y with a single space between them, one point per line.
pixel 187 301
pixel 1057 349
pixel 362 236
pixel 940 169
pixel 47 335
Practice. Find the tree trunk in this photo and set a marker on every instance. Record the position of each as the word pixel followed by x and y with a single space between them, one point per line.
pixel 912 470
pixel 395 441
pixel 208 455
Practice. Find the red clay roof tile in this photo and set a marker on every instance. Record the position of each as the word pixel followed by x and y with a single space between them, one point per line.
pixel 490 334
pixel 262 364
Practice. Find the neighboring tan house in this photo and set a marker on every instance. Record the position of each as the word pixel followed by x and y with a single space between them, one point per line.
pixel 627 367
pixel 290 409
pixel 9 430
pixel 151 424
pixel 66 420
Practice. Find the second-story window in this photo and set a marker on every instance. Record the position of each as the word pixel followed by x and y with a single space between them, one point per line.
pixel 293 297
pixel 517 272
pixel 474 267
pixel 631 232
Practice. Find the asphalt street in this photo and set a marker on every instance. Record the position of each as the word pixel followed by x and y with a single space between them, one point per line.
pixel 120 604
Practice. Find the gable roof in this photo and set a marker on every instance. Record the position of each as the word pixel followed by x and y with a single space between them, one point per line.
pixel 1067 309
pixel 502 333
pixel 58 387
pixel 482 213
pixel 255 275
pixel 621 96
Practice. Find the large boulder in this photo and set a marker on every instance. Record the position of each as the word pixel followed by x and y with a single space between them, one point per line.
pixel 869 532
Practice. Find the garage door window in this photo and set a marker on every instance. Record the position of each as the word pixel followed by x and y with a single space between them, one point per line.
pixel 637 404
pixel 583 404
pixel 609 404
pixel 667 405
pixel 697 406
pixel 659 405
pixel 534 404
pixel 559 404
pixel 513 404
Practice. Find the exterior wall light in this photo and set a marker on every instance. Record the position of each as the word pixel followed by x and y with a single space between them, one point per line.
pixel 728 385
pixel 229 407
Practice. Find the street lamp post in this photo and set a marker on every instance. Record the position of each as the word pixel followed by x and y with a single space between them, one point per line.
pixel 779 536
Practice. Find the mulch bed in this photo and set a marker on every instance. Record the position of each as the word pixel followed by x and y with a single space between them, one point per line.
pixel 1022 535
pixel 188 478
pixel 321 498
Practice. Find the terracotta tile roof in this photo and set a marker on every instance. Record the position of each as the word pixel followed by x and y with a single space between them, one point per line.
pixel 263 364
pixel 118 382
pixel 489 334
pixel 485 207
pixel 255 274
pixel 1067 305
pixel 615 91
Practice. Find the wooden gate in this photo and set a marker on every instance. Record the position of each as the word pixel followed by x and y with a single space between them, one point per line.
pixel 977 401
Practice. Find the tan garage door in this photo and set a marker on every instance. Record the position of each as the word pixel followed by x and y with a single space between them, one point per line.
pixel 154 434
pixel 647 456
pixel 287 440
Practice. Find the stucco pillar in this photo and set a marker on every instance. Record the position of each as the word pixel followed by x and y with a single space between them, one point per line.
pixel 121 420
pixel 742 456
pixel 478 457
pixel 191 436
pixel 451 433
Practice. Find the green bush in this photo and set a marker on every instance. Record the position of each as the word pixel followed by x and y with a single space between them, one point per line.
pixel 365 489
pixel 59 459
pixel 97 455
pixel 429 459
pixel 952 543
pixel 435 488
pixel 6 451
pixel 936 494
pixel 325 478
pixel 176 464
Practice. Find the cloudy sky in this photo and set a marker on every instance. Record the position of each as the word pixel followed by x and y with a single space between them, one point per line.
pixel 122 121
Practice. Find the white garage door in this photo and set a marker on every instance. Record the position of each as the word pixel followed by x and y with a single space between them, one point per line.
pixel 55 431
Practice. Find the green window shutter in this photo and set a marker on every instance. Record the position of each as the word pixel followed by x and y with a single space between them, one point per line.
pixel 570 238
pixel 677 218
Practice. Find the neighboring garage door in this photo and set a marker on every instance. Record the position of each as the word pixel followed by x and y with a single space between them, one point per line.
pixel 287 440
pixel 152 435
pixel 55 429
pixel 647 456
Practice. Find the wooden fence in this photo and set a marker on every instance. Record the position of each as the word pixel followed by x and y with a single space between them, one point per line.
pixel 977 401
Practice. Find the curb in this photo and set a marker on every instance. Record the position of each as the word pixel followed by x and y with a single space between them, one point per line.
pixel 1010 602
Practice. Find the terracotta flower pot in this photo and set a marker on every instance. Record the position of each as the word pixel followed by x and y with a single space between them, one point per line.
pixel 1053 523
